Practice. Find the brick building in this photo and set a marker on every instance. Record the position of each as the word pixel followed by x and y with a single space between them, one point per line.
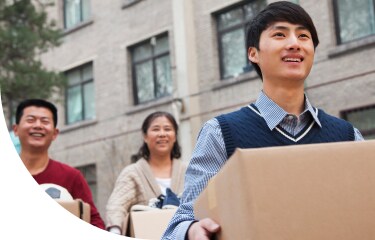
pixel 127 58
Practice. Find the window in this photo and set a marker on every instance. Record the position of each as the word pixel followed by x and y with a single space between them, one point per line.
pixel 354 19
pixel 231 25
pixel 80 95
pixel 151 69
pixel 75 12
pixel 363 119
pixel 89 172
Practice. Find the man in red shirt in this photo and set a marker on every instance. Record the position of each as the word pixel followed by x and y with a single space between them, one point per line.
pixel 36 122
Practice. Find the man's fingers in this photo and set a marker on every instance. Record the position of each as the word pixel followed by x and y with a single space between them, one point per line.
pixel 203 229
pixel 210 225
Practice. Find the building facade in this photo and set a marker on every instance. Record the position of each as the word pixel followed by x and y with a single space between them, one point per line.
pixel 127 58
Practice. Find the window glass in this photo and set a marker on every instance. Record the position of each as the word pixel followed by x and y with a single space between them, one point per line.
pixel 72 13
pixel 89 100
pixel 355 19
pixel 233 44
pixel 74 104
pixel 252 9
pixel 74 77
pixel 145 83
pixel 163 77
pixel 364 120
pixel 86 11
pixel 232 25
pixel 142 52
pixel 161 45
pixel 87 73
pixel 230 18
pixel 89 173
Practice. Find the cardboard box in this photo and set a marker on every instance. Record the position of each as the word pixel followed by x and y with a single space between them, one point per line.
pixel 78 208
pixel 150 224
pixel 309 192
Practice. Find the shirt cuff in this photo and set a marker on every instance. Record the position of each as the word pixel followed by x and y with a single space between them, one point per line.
pixel 182 230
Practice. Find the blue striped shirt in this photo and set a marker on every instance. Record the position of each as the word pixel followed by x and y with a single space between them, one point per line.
pixel 210 155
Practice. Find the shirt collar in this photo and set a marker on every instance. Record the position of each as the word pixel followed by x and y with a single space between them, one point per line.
pixel 273 114
pixel 312 110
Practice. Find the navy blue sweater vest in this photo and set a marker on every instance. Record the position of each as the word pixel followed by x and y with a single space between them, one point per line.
pixel 245 128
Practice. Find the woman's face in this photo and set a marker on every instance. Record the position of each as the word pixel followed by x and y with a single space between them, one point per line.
pixel 160 136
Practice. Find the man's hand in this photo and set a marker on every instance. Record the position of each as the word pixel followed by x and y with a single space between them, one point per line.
pixel 203 229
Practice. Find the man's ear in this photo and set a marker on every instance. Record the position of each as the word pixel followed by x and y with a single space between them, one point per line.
pixel 252 54
pixel 15 128
pixel 56 132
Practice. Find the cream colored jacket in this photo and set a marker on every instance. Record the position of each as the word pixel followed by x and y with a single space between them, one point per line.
pixel 137 185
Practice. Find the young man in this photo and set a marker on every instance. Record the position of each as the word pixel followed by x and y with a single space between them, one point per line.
pixel 36 122
pixel 281 42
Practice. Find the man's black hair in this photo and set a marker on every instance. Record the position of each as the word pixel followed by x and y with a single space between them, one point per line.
pixel 282 11
pixel 37 103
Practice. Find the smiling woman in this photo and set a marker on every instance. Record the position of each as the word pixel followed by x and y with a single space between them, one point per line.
pixel 156 175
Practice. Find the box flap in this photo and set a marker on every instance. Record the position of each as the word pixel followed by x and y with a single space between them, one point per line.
pixel 78 208
pixel 150 224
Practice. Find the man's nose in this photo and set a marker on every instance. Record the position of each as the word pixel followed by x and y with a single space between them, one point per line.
pixel 293 43
pixel 37 124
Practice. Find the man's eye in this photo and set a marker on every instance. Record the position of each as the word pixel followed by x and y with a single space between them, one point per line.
pixel 279 34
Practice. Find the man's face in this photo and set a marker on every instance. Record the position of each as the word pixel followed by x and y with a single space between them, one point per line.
pixel 286 51
pixel 36 129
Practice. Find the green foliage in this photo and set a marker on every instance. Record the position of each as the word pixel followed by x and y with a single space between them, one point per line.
pixel 26 33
